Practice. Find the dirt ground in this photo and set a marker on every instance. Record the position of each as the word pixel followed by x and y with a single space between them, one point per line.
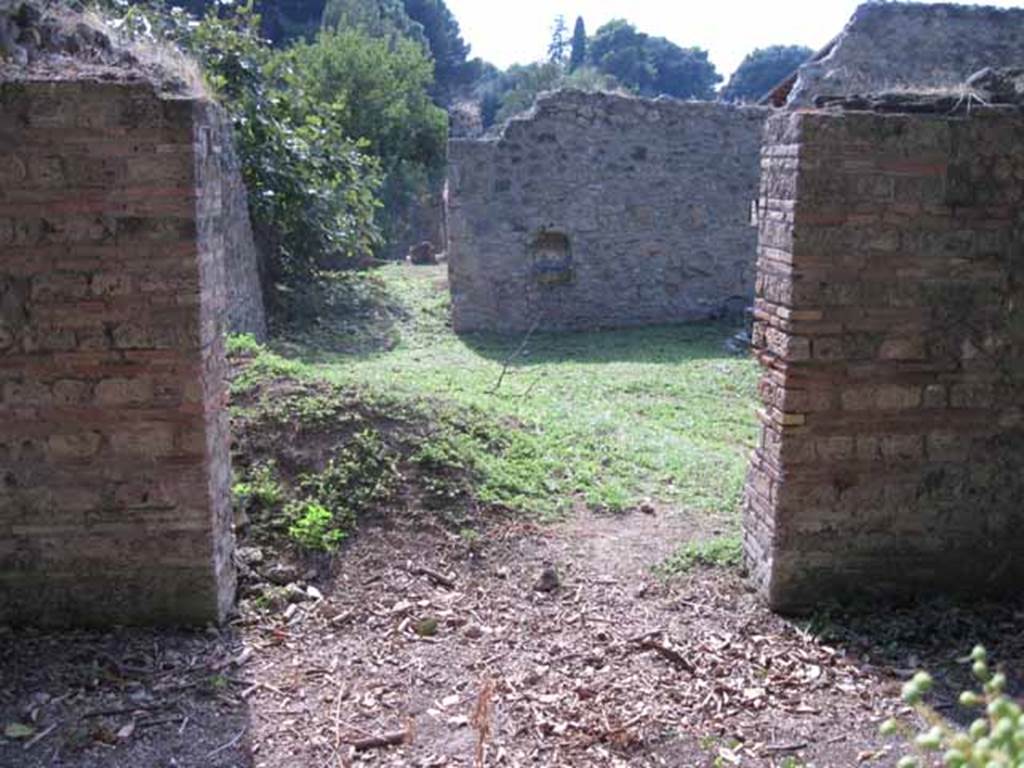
pixel 444 648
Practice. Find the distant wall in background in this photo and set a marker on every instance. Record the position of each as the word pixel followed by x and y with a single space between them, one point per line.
pixel 600 210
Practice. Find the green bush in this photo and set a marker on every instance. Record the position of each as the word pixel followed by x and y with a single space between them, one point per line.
pixel 261 488
pixel 313 188
pixel 376 90
pixel 313 526
pixel 994 740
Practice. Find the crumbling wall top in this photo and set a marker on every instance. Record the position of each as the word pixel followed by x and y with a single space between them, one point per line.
pixel 585 107
pixel 41 40
pixel 917 46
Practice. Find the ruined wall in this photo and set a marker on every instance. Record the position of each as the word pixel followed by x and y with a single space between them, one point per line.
pixel 604 210
pixel 114 465
pixel 889 46
pixel 889 324
pixel 245 308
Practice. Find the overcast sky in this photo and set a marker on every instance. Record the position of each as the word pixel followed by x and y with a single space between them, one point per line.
pixel 508 32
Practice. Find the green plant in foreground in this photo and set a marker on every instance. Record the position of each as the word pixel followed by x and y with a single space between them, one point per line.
pixel 242 345
pixel 720 551
pixel 313 526
pixel 995 740
pixel 262 488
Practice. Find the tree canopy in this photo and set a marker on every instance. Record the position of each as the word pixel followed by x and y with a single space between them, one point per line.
pixel 652 66
pixel 453 69
pixel 762 69
pixel 427 22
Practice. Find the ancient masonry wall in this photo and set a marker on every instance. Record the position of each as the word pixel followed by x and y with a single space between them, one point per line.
pixel 599 210
pixel 114 464
pixel 893 46
pixel 242 261
pixel 889 324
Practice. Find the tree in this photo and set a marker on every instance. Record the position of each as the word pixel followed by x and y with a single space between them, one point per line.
pixel 312 188
pixel 578 53
pixel 376 18
pixel 280 20
pixel 453 69
pixel 559 45
pixel 376 90
pixel 521 84
pixel 762 69
pixel 685 73
pixel 652 66
pixel 619 49
pixel 504 95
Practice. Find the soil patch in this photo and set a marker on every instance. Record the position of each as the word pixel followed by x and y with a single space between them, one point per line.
pixel 443 642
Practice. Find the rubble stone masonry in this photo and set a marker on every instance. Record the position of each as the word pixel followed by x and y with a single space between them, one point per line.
pixel 601 210
pixel 114 465
pixel 890 327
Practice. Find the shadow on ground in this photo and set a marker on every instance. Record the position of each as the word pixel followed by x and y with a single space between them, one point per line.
pixel 935 635
pixel 650 345
pixel 127 698
pixel 353 314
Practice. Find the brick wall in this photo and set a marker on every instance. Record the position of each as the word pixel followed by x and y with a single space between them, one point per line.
pixel 890 328
pixel 604 210
pixel 114 466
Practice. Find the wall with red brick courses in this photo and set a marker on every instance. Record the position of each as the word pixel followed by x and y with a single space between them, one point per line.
pixel 890 328
pixel 114 465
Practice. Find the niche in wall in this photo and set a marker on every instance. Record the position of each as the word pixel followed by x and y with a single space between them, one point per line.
pixel 551 258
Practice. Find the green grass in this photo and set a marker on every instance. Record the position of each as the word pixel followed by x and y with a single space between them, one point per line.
pixel 610 417
pixel 719 552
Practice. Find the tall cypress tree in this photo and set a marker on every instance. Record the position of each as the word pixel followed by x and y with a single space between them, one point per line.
pixel 578 53
pixel 559 43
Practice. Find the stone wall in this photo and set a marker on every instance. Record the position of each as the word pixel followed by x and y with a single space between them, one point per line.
pixel 114 464
pixel 242 261
pixel 889 324
pixel 889 46
pixel 604 210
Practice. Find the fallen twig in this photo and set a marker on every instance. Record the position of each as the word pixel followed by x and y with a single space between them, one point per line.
pixel 482 715
pixel 516 353
pixel 227 745
pixel 39 737
pixel 434 576
pixel 776 748
pixel 669 653
pixel 126 710
pixel 392 739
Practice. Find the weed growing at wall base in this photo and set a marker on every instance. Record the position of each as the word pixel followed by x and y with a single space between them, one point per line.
pixel 721 552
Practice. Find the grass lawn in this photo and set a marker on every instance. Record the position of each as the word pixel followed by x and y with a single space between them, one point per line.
pixel 608 417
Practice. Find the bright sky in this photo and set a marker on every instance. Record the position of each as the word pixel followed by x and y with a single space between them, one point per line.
pixel 508 32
